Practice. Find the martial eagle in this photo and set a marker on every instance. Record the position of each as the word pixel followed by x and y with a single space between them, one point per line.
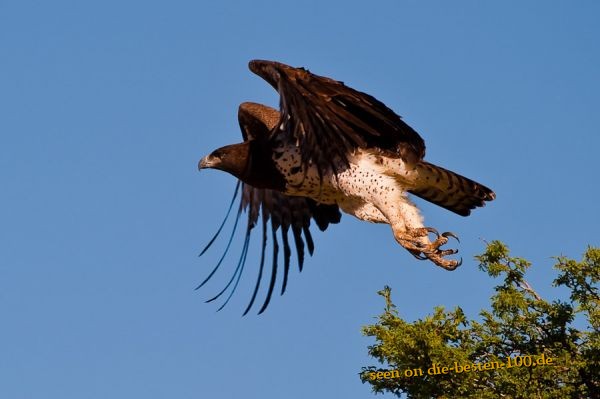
pixel 331 147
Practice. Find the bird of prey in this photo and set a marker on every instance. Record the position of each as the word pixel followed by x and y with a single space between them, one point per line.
pixel 331 147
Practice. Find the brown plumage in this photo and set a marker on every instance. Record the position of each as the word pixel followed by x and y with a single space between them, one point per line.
pixel 331 147
pixel 281 212
pixel 449 190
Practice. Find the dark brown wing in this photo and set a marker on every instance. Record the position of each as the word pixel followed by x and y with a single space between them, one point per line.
pixel 276 212
pixel 256 120
pixel 329 120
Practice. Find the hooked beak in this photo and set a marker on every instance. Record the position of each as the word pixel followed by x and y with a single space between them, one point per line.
pixel 205 162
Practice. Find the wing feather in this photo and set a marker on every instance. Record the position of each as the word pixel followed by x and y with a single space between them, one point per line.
pixel 262 263
pixel 283 213
pixel 329 120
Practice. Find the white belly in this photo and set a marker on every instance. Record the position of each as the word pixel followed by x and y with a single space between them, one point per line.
pixel 366 190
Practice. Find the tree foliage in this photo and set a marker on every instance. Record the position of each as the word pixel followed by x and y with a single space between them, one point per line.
pixel 519 324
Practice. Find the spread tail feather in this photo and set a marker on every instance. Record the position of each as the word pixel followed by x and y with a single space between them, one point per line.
pixel 449 190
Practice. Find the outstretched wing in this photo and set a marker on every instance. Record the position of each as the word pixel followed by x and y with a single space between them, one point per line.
pixel 275 212
pixel 329 120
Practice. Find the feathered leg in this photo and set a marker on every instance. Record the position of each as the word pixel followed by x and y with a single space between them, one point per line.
pixel 407 225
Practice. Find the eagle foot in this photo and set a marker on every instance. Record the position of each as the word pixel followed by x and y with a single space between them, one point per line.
pixel 417 243
pixel 448 264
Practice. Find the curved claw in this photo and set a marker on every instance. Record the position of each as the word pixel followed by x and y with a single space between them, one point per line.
pixel 453 267
pixel 418 255
pixel 446 252
pixel 450 234
pixel 432 230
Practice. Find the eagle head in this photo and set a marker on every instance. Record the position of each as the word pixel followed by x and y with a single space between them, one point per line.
pixel 232 159
pixel 250 161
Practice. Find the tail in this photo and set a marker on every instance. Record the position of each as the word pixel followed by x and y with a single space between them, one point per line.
pixel 449 190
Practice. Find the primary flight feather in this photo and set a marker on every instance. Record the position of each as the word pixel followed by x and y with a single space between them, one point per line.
pixel 331 147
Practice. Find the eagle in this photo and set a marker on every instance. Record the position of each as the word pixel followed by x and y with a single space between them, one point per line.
pixel 328 148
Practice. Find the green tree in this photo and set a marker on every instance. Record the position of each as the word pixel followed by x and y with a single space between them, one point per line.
pixel 565 361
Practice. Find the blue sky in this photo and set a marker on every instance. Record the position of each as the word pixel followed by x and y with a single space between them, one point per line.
pixel 106 108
